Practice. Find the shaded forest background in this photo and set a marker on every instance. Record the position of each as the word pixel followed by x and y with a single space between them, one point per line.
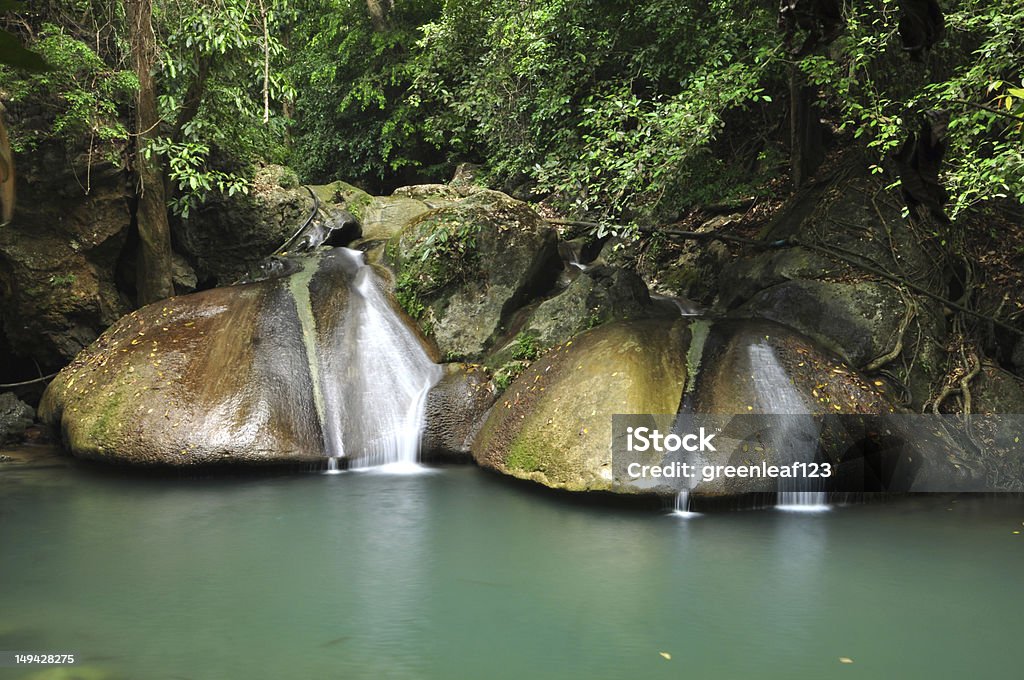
pixel 625 111
pixel 621 117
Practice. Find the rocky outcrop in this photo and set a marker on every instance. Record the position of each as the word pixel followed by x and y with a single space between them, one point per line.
pixel 596 296
pixel 554 423
pixel 463 269
pixel 845 308
pixel 15 417
pixel 59 255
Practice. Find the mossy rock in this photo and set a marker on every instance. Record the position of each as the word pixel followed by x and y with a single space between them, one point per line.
pixel 351 198
pixel 553 424
pixel 465 268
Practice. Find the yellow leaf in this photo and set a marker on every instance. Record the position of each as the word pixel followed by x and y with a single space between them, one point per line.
pixel 845 659
pixel 665 655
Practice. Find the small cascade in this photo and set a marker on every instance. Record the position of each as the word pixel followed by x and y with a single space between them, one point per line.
pixel 682 505
pixel 803 501
pixel 795 433
pixel 370 371
pixel 686 307
pixel 391 373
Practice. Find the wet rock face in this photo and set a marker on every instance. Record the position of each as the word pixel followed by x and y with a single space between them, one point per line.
pixel 218 376
pixel 463 269
pixel 455 410
pixel 221 376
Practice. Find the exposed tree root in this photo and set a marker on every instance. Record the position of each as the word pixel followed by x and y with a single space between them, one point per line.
pixel 910 311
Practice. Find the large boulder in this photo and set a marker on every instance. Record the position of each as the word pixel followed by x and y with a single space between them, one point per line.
pixel 554 425
pixel 462 270
pixel 268 372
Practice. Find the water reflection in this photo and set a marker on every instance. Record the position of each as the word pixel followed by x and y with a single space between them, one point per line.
pixel 457 574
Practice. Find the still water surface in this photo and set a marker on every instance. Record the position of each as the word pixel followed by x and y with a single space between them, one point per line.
pixel 459 574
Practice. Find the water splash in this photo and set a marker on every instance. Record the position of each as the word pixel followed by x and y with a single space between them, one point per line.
pixel 802 501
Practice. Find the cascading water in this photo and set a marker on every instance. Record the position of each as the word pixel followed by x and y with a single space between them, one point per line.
pixel 795 433
pixel 370 372
pixel 682 505
pixel 391 373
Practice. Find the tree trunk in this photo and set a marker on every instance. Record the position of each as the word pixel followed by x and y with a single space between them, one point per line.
pixel 153 275
pixel 379 11
pixel 806 138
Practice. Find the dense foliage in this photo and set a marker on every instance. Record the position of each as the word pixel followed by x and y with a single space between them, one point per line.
pixel 357 113
pixel 617 111
pixel 222 90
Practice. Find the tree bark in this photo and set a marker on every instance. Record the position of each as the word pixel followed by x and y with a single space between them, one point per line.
pixel 153 275
pixel 805 131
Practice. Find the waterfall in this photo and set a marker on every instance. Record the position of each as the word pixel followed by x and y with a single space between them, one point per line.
pixel 802 501
pixel 795 433
pixel 393 374
pixel 371 372
pixel 682 505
